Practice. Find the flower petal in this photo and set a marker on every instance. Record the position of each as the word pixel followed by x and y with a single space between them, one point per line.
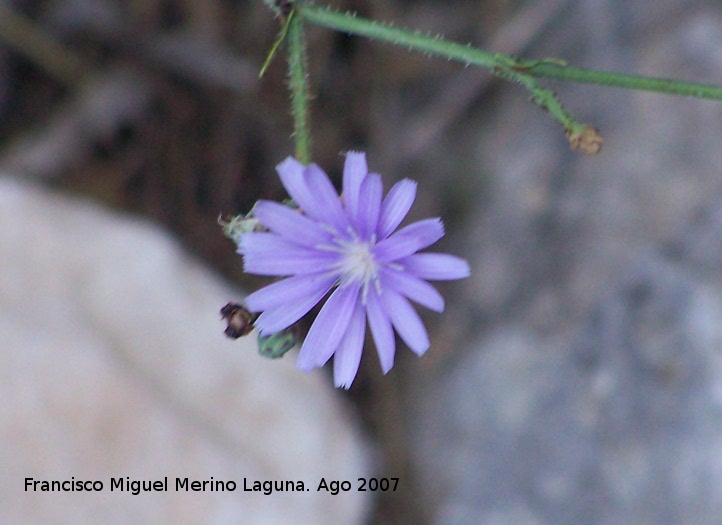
pixel 348 355
pixel 381 331
pixel 436 266
pixel 328 328
pixel 269 254
pixel 290 224
pixel 292 174
pixel 369 205
pixel 281 317
pixel 395 207
pixel 289 290
pixel 406 321
pixel 412 287
pixel 408 240
pixel 326 203
pixel 354 171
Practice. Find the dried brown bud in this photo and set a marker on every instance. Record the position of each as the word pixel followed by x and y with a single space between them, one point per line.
pixel 239 319
pixel 587 140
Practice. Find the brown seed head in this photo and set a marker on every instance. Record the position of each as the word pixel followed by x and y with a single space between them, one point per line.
pixel 239 319
pixel 587 140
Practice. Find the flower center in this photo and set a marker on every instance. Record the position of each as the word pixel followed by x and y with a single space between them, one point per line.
pixel 357 263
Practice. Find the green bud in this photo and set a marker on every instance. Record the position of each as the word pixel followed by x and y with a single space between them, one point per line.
pixel 278 344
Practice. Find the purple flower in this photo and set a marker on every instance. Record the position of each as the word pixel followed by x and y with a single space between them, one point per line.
pixel 347 245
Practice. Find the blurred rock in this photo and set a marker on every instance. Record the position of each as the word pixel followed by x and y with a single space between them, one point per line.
pixel 593 396
pixel 619 423
pixel 115 364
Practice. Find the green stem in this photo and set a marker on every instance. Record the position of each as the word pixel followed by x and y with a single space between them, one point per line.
pixel 298 83
pixel 546 69
pixel 581 136
pixel 552 69
pixel 352 24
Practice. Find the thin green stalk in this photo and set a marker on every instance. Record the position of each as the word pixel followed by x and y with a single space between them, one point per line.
pixel 298 83
pixel 495 62
pixel 276 45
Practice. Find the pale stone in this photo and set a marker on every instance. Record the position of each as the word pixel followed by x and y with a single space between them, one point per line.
pixel 115 364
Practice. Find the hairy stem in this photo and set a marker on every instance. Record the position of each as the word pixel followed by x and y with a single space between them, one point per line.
pixel 298 84
pixel 552 69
